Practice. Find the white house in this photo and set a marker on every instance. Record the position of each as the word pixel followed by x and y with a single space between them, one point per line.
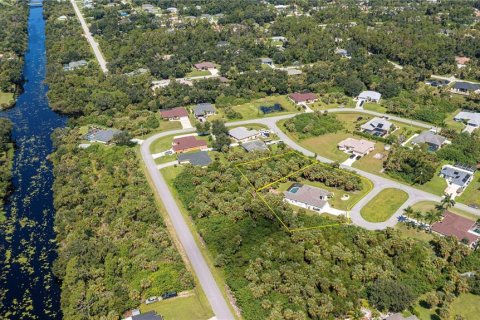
pixel 308 197
pixel 242 134
pixel 357 147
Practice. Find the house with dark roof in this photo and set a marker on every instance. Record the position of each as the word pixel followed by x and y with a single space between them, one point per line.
pixel 200 158
pixel 203 110
pixel 457 176
pixel 151 315
pixel 457 226
pixel 437 83
pixel 308 197
pixel 267 61
pixel 433 140
pixel 174 114
pixel 465 87
pixel 255 145
pixel 377 127
pixel 187 144
pixel 204 65
pixel 104 136
pixel 303 97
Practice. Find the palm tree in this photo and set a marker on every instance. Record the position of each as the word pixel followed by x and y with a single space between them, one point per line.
pixel 418 215
pixel 448 201
pixel 408 211
pixel 432 216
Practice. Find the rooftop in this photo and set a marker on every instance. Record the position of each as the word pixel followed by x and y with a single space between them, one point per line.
pixel 458 176
pixel 466 86
pixel 303 97
pixel 255 145
pixel 370 95
pixel 101 135
pixel 307 194
pixel 241 133
pixel 377 123
pixel 203 108
pixel 358 146
pixel 430 138
pixel 205 65
pixel 189 142
pixel 200 158
pixel 174 113
pixel 457 226
pixel 472 118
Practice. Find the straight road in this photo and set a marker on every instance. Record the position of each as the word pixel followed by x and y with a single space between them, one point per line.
pixel 199 265
pixel 88 35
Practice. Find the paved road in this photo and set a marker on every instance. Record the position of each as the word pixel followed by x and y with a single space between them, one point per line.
pixel 200 267
pixel 88 35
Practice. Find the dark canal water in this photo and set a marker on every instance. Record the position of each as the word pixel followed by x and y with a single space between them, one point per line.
pixel 27 285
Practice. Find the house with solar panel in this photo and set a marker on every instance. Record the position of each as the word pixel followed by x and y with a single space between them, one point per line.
pixel 379 127
pixel 458 178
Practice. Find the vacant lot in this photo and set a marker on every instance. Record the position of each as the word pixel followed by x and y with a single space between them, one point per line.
pixel 251 110
pixel 197 73
pixel 384 205
pixel 193 307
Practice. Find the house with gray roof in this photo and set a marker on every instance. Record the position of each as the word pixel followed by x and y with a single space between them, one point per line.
pixel 469 118
pixel 377 127
pixel 255 145
pixel 200 158
pixel 101 135
pixel 74 65
pixel 433 140
pixel 267 61
pixel 242 134
pixel 203 110
pixel 465 87
pixel 457 176
pixel 308 197
pixel 370 96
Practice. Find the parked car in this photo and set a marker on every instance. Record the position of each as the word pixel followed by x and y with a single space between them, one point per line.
pixel 168 295
pixel 352 156
pixel 168 152
pixel 151 300
pixel 359 157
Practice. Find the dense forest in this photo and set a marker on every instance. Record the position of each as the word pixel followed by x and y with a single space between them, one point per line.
pixel 13 43
pixel 323 274
pixel 114 249
pixel 6 160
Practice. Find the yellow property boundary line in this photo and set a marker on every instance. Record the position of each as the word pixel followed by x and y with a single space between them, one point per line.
pixel 315 162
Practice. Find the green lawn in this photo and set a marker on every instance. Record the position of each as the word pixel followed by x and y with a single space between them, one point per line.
pixel 425 206
pixel 6 98
pixel 437 185
pixel 384 205
pixel 412 232
pixel 452 124
pixel 471 195
pixel 193 307
pixel 377 107
pixel 251 110
pixel 467 305
pixel 369 163
pixel 197 73
pixel 326 145
pixel 169 125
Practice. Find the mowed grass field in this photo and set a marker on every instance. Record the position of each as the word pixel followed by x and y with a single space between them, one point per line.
pixel 384 205
pixel 466 305
pixel 192 307
pixel 471 195
pixel 425 206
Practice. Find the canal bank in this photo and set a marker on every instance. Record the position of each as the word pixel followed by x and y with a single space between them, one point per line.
pixel 27 238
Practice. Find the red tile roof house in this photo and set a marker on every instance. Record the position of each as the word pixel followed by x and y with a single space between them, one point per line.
pixel 300 98
pixel 189 143
pixel 204 66
pixel 174 114
pixel 456 226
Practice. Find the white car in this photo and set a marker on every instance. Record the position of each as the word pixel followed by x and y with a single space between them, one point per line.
pixel 151 300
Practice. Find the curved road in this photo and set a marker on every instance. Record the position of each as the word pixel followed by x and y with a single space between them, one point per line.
pixel 200 267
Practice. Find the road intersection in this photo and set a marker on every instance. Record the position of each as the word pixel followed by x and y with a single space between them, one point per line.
pixel 207 282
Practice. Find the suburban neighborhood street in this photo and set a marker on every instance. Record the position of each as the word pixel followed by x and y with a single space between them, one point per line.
pixel 91 40
pixel 199 265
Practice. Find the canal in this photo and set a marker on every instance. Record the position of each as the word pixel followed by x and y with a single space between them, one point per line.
pixel 29 289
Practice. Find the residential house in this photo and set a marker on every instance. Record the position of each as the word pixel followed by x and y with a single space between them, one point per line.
pixel 293 72
pixel 101 136
pixel 172 10
pixel 370 96
pixel 200 158
pixel 343 53
pixel 221 44
pixel 151 315
pixel 465 88
pixel 377 126
pixel 255 145
pixel 74 65
pixel 461 61
pixel 471 119
pixel 458 177
pixel 433 140
pixel 148 8
pixel 174 114
pixel 437 83
pixel 242 134
pixel 302 98
pixel 356 147
pixel 203 110
pixel 307 197
pixel 267 61
pixel 279 38
pixel 458 227
pixel 204 65
pixel 187 144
